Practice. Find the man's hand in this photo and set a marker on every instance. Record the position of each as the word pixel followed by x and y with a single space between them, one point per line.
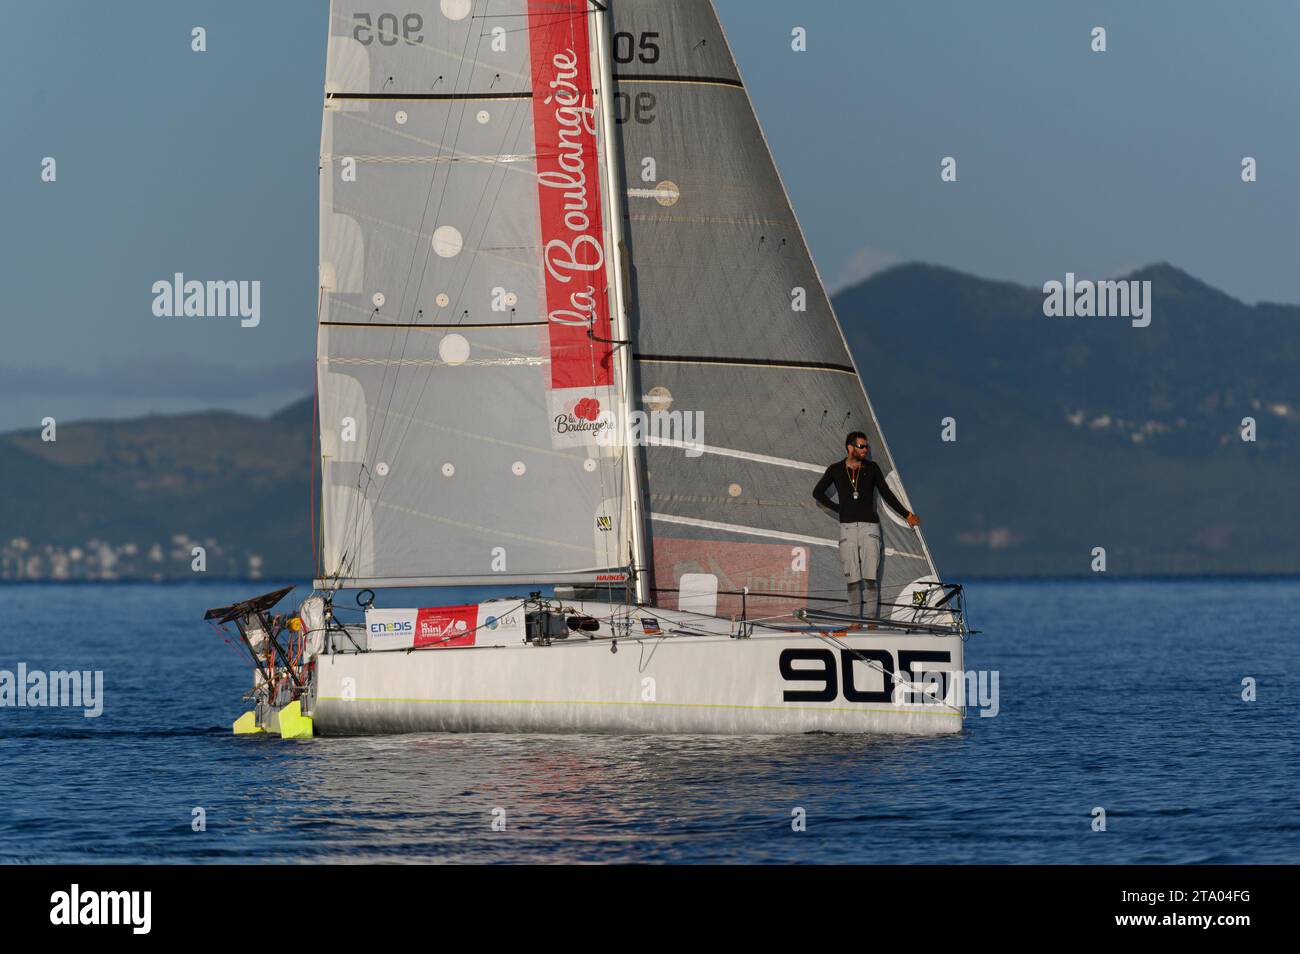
pixel 913 520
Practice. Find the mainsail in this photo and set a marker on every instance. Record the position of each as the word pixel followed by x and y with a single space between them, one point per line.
pixel 467 376
pixel 733 328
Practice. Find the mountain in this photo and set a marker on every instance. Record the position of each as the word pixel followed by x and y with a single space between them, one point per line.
pixel 1071 434
pixel 131 499
pixel 1075 433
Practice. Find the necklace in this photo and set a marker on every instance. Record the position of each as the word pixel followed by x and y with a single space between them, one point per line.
pixel 853 479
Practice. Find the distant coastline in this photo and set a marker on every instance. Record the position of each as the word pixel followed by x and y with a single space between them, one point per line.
pixel 1070 435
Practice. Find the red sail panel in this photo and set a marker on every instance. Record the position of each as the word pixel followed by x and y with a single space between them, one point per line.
pixel 776 573
pixel 568 193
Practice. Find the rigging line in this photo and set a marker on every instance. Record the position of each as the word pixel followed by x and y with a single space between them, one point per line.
pixel 743 362
pixel 592 336
pixel 315 442
pixel 593 362
pixel 475 436
pixel 550 18
pixel 477 252
pixel 466 158
pixel 679 79
pixel 758 594
pixel 465 281
pixel 354 520
pixel 487 324
pixel 362 120
pixel 742 529
pixel 514 361
pixel 434 97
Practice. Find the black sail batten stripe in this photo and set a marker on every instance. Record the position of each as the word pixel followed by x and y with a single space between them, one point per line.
pixel 432 96
pixel 396 324
pixel 751 362
pixel 677 78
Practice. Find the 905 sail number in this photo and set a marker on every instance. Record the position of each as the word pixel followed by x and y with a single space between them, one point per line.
pixel 626 46
pixel 384 28
pixel 831 679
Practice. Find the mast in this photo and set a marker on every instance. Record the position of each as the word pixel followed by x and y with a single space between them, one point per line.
pixel 614 189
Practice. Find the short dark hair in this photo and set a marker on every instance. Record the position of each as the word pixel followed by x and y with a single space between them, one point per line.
pixel 853 438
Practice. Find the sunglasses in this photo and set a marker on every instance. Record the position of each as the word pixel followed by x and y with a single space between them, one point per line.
pixel 860 446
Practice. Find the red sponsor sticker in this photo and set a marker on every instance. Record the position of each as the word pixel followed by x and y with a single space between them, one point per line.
pixel 568 193
pixel 442 626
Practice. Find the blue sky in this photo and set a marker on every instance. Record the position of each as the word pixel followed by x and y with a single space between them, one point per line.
pixel 171 161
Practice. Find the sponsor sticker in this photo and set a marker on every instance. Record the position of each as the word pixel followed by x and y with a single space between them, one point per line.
pixel 442 627
pixel 390 628
pixel 582 417
pixel 500 623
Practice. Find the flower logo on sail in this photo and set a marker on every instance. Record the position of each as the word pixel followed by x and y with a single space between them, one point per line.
pixel 583 419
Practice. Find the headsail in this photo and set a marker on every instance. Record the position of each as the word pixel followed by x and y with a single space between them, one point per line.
pixel 734 330
pixel 465 408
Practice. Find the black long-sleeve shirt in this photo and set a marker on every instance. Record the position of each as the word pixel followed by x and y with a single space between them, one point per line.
pixel 862 510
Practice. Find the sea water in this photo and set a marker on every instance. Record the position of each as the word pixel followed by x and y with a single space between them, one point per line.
pixel 1138 721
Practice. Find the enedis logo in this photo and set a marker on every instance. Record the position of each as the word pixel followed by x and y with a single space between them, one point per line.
pixel 382 628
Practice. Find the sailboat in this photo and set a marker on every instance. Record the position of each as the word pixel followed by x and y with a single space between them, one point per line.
pixel 570 339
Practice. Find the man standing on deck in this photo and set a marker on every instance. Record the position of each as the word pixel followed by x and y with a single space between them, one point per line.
pixel 856 481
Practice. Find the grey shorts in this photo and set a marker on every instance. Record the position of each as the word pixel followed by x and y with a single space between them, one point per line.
pixel 861 551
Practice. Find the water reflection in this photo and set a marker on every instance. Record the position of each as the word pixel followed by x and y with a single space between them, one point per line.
pixel 572 798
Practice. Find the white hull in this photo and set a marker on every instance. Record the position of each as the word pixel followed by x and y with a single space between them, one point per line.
pixel 678 683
